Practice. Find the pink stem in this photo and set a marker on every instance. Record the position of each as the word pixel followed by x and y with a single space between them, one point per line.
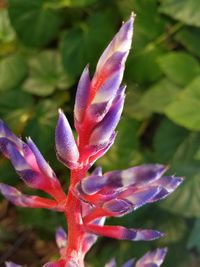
pixel 73 215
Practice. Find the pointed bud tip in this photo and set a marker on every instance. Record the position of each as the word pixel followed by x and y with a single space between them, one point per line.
pixel 161 234
pixel 28 138
pixel 66 148
pixel 60 112
pixel 133 15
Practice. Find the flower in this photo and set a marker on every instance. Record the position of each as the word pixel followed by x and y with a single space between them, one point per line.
pixel 90 199
pixel 98 105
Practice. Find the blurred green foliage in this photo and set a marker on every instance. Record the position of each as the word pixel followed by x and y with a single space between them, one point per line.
pixel 44 46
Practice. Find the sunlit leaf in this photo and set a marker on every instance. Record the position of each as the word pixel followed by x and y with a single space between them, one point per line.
pixel 70 3
pixel 12 71
pixel 143 67
pixel 7 34
pixel 42 125
pixel 166 141
pixel 72 50
pixel 174 227
pixel 184 110
pixel 159 95
pixel 185 200
pixel 187 11
pixel 133 108
pixel 46 74
pixel 16 108
pixel 175 66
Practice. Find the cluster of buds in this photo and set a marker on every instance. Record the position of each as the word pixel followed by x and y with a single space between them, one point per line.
pixel 90 199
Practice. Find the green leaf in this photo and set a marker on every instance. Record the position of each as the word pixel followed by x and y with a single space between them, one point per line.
pixel 16 108
pixel 158 96
pixel 7 34
pixel 185 200
pixel 184 110
pixel 70 3
pixel 34 23
pixel 190 38
pixel 82 45
pixel 123 153
pixel 166 140
pixel 12 71
pixel 72 50
pixel 46 74
pixel 101 29
pixel 41 126
pixel 174 229
pixel 175 66
pixel 7 173
pixel 133 108
pixel 187 11
pixel 194 239
pixel 45 221
pixel 143 67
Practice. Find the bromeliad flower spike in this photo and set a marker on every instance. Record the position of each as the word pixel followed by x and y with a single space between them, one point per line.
pixel 90 199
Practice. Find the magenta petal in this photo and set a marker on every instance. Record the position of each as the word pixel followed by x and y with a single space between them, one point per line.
pixel 104 130
pixel 120 232
pixel 91 185
pixel 118 207
pixel 82 95
pixel 90 238
pixel 128 201
pixel 140 198
pixel 61 238
pixel 17 159
pixel 97 171
pixel 22 200
pixel 115 63
pixel 102 149
pixel 41 162
pixel 168 184
pixel 29 176
pixel 66 148
pixel 121 42
pixel 6 137
pixel 13 195
pixel 33 178
pixel 138 176
pixel 96 112
pixel 30 157
pixel 108 89
pixel 154 258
